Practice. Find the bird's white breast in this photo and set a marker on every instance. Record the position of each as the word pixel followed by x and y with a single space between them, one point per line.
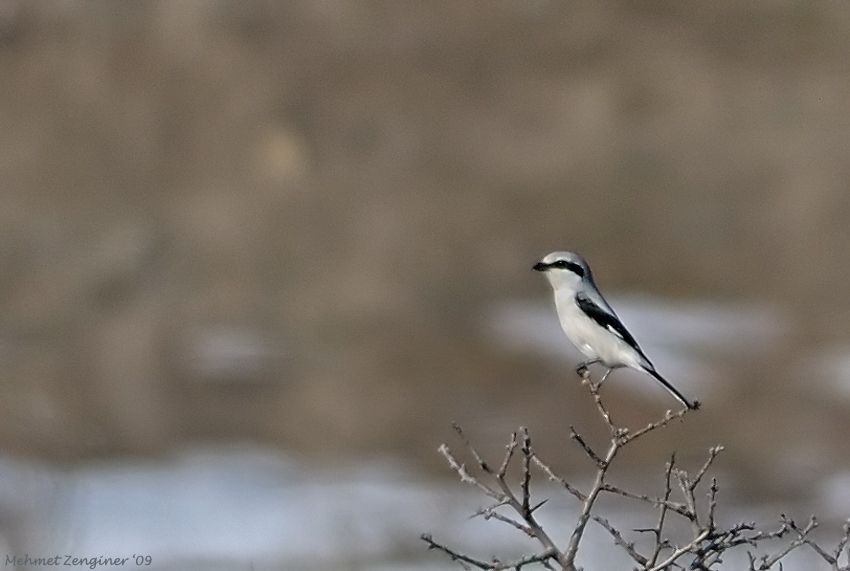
pixel 593 340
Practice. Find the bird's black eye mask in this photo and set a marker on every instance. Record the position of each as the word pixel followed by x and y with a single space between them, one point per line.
pixel 561 265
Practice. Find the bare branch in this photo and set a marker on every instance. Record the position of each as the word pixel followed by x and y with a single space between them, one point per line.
pixel 481 463
pixel 662 511
pixel 690 499
pixel 590 500
pixel 526 472
pixel 768 562
pixel 619 437
pixel 509 454
pixel 668 418
pixel 502 492
pixel 527 514
pixel 712 502
pixel 681 551
pixel 676 507
pixel 555 478
pixel 584 446
pixel 542 558
pixel 597 399
pixel 803 535
pixel 629 547
pixel 495 565
pixel 464 560
pixel 465 476
pixel 842 543
pixel 491 513
pixel 712 455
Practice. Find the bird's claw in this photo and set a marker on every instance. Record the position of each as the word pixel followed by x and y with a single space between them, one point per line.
pixel 582 371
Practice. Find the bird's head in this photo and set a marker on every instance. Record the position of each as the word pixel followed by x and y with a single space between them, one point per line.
pixel 563 269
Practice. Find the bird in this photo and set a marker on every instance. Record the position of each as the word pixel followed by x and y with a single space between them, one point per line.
pixel 591 324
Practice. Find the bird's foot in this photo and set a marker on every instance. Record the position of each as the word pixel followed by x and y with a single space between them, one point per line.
pixel 582 371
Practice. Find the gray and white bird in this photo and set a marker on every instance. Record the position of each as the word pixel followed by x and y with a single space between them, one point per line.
pixel 590 323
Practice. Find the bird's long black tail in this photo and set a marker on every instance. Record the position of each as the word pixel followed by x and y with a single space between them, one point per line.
pixel 673 391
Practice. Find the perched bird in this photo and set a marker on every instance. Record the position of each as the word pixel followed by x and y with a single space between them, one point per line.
pixel 590 323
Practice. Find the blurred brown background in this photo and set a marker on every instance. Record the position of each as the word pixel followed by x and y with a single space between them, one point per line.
pixel 294 223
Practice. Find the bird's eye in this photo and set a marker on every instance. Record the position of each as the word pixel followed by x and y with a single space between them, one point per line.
pixel 563 264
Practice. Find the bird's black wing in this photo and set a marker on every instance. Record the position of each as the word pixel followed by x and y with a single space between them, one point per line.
pixel 607 319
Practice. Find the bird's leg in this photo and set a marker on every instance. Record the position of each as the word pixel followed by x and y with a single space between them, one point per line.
pixel 582 370
pixel 605 376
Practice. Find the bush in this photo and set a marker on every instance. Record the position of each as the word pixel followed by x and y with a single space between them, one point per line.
pixel 676 506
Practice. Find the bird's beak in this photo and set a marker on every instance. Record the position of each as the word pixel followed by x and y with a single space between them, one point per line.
pixel 540 267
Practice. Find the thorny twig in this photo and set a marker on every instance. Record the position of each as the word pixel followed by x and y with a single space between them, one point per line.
pixel 660 543
pixel 703 551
